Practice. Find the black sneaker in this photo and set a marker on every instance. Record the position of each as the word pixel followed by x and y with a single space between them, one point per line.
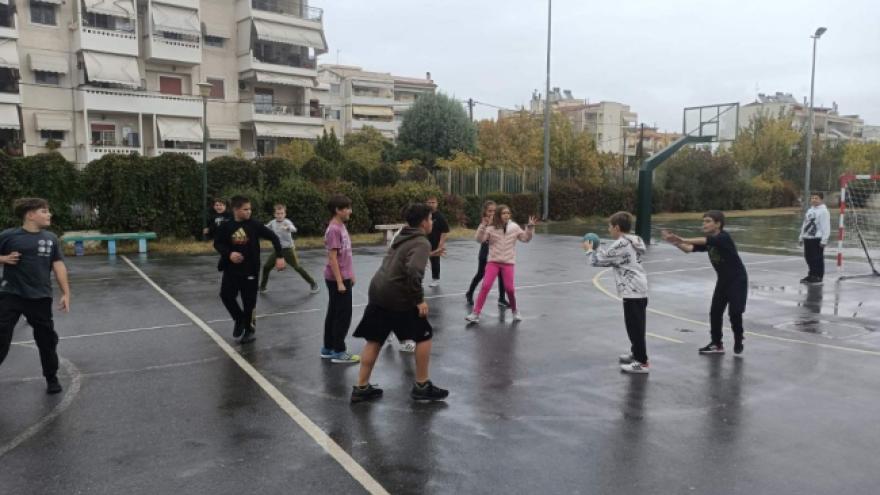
pixel 712 349
pixel 470 299
pixel 738 345
pixel 237 329
pixel 806 280
pixel 52 385
pixel 503 304
pixel 428 392
pixel 248 337
pixel 369 392
pixel 814 280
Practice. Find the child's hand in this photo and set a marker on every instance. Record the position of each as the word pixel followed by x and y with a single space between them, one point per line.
pixel 423 309
pixel 10 259
pixel 588 245
pixel 236 257
pixel 533 220
pixel 279 264
pixel 64 303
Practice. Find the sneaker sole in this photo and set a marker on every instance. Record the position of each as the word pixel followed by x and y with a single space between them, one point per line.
pixel 711 352
pixel 631 371
pixel 422 399
pixel 355 400
pixel 341 361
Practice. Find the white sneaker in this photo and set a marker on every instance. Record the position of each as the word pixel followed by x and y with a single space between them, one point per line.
pixel 626 358
pixel 635 367
pixel 434 283
pixel 473 318
pixel 407 346
pixel 517 316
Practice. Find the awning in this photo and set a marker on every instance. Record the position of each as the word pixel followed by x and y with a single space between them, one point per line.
pixel 280 33
pixel 48 63
pixel 53 122
pixel 186 4
pixel 4 2
pixel 217 29
pixel 272 78
pixel 287 131
pixel 373 84
pixel 223 132
pixel 179 129
pixel 9 117
pixel 116 8
pixel 373 111
pixel 55 2
pixel 8 54
pixel 113 69
pixel 175 20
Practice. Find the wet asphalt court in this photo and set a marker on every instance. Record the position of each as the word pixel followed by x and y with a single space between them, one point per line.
pixel 154 404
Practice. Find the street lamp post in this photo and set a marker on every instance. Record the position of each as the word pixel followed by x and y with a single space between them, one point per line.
pixel 546 211
pixel 816 36
pixel 204 92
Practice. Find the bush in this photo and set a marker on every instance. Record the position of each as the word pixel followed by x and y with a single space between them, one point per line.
pixel 47 176
pixel 566 200
pixel 453 207
pixel 524 205
pixel 385 175
pixel 356 173
pixel 306 206
pixel 417 173
pixel 228 173
pixel 318 169
pixel 360 220
pixel 273 171
pixel 386 203
pixel 473 209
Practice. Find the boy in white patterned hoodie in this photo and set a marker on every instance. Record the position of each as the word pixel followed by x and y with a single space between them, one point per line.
pixel 625 256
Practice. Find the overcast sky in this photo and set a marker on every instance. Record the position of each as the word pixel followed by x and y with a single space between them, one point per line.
pixel 658 56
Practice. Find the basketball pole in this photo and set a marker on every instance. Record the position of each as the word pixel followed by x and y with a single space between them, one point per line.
pixel 806 205
pixel 546 209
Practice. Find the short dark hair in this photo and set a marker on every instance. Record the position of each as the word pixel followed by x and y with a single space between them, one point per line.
pixel 23 206
pixel 432 196
pixel 621 219
pixel 818 193
pixel 218 200
pixel 716 215
pixel 280 206
pixel 238 201
pixel 416 213
pixel 338 202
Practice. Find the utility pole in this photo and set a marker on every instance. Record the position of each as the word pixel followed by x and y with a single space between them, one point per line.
pixel 640 150
pixel 806 205
pixel 546 212
pixel 471 109
pixel 623 159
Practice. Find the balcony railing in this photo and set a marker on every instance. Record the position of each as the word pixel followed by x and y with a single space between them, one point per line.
pixel 293 109
pixel 289 61
pixel 289 7
pixel 120 29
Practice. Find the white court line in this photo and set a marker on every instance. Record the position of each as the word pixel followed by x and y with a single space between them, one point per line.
pixel 111 332
pixel 322 439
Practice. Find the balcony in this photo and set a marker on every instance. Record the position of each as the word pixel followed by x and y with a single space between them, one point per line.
pixel 385 127
pixel 291 12
pixel 173 48
pixel 192 153
pixel 97 151
pixel 8 22
pixel 299 114
pixel 109 34
pixel 296 66
pixel 113 100
pixel 175 33
pixel 13 98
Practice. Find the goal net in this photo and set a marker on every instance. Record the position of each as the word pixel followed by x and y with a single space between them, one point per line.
pixel 859 230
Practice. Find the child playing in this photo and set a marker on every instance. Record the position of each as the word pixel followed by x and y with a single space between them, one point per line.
pixel 29 254
pixel 438 239
pixel 238 242
pixel 397 304
pixel 501 234
pixel 625 256
pixel 285 229
pixel 216 217
pixel 732 287
pixel 814 237
pixel 489 208
pixel 339 277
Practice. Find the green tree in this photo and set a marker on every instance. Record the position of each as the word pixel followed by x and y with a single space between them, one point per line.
pixel 329 148
pixel 435 127
pixel 766 146
pixel 297 151
pixel 367 147
pixel 861 158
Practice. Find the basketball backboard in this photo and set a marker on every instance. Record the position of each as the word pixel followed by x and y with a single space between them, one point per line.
pixel 719 121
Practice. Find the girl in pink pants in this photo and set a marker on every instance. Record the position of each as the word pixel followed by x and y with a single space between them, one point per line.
pixel 501 233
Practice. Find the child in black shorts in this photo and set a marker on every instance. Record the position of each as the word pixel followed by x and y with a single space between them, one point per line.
pixel 396 304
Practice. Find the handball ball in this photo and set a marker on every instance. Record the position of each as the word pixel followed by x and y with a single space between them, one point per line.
pixel 592 238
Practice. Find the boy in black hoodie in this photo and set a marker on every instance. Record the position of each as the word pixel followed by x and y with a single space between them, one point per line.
pixel 238 242
pixel 397 304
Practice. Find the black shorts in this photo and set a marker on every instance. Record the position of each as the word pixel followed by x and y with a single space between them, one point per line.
pixel 377 323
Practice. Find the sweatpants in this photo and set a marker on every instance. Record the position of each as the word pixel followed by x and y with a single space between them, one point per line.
pixel 338 317
pixel 814 253
pixel 435 267
pixel 481 271
pixel 233 286
pixel 493 269
pixel 38 313
pixel 731 296
pixel 634 316
pixel 292 260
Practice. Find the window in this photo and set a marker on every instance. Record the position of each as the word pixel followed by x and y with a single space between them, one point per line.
pixel 334 89
pixel 41 77
pixel 170 85
pixel 218 90
pixel 218 146
pixel 263 100
pixel 42 13
pixel 47 135
pixel 215 41
pixel 103 135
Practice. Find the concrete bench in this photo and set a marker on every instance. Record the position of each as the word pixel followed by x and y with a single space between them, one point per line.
pixel 390 230
pixel 79 240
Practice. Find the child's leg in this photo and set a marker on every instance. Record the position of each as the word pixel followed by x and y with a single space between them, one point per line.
pixel 716 314
pixel 249 302
pixel 368 360
pixel 737 297
pixel 332 302
pixel 481 271
pixel 340 318
pixel 267 268
pixel 435 267
pixel 229 295
pixel 423 360
pixel 507 276
pixel 488 280
pixel 39 315
pixel 501 289
pixel 293 260
pixel 10 312
pixel 634 317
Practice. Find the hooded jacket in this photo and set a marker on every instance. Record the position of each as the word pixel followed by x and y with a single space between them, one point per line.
pixel 502 242
pixel 397 285
pixel 625 256
pixel 817 224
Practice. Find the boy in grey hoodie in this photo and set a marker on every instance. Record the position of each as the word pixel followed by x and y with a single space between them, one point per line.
pixel 396 303
pixel 625 256
pixel 814 237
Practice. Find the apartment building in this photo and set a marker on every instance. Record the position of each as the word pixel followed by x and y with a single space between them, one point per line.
pixel 92 77
pixel 357 98
pixel 828 123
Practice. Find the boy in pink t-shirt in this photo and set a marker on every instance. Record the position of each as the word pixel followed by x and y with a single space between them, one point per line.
pixel 339 277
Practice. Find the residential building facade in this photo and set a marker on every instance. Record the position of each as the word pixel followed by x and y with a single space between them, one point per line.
pixel 92 77
pixel 828 123
pixel 356 98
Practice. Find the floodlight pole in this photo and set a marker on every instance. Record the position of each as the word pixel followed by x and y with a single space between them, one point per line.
pixel 546 202
pixel 807 174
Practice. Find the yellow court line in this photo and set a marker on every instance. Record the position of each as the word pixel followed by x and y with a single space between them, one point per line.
pixel 605 291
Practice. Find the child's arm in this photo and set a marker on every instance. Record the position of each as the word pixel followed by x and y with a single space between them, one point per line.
pixel 333 260
pixel 60 270
pixel 221 242
pixel 529 232
pixel 482 233
pixel 267 233
pixel 824 227
pixel 291 227
pixel 602 256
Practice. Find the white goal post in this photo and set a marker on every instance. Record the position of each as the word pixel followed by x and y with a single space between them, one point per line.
pixel 859 226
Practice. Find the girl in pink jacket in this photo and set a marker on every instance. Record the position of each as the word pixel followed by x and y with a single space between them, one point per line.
pixel 501 233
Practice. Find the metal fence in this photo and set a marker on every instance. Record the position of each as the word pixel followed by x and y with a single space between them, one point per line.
pixel 480 182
